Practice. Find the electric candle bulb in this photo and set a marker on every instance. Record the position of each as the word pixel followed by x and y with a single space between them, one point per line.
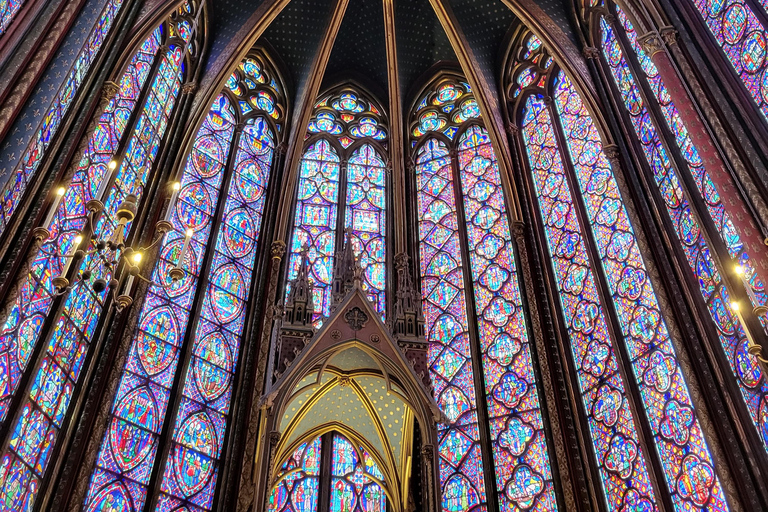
pixel 54 206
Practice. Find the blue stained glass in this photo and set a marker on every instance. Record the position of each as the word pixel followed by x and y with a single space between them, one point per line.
pixel 622 466
pixel 190 474
pixel 686 462
pixel 366 214
pixel 128 452
pixel 445 312
pixel 355 480
pixel 298 481
pixel 14 190
pixel 315 221
pixel 523 473
pixel 55 379
pixel 8 9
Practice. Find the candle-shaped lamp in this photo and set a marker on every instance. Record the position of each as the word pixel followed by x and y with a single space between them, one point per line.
pixel 54 206
pixel 175 187
pixel 742 273
pixel 111 166
pixel 61 280
pixel 177 272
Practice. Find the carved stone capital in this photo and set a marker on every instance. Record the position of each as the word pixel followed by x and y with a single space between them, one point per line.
pixel 278 249
pixel 590 52
pixel 401 260
pixel 274 438
pixel 109 90
pixel 612 152
pixel 281 148
pixel 189 88
pixel 669 34
pixel 651 43
pixel 518 230
pixel 428 451
pixel 548 100
pixel 512 129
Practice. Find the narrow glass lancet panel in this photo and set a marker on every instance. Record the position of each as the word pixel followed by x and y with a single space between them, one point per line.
pixel 21 331
pixel 129 448
pixel 742 37
pixel 751 381
pixel 298 482
pixel 315 222
pixel 355 483
pixel 445 311
pixel 198 436
pixel 367 216
pixel 523 473
pixel 33 156
pixel 43 412
pixel 686 462
pixel 8 9
pixel 622 465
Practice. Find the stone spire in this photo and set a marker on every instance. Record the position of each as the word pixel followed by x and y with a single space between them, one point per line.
pixel 347 272
pixel 409 319
pixel 299 306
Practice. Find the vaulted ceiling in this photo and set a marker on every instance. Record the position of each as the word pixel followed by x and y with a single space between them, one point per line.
pixel 359 52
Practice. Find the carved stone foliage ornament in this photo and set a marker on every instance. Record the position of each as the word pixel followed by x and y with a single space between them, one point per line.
pixel 356 318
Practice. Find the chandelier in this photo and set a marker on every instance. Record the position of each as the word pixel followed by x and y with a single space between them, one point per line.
pixel 99 248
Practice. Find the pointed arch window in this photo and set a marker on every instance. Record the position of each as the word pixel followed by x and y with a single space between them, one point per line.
pixel 15 185
pixel 153 80
pixel 480 359
pixel 355 483
pixel 343 186
pixel 739 27
pixel 600 276
pixel 216 221
pixel 641 89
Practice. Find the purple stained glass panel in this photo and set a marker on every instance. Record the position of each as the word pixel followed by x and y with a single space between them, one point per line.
pixel 8 9
pixel 742 37
pixel 198 434
pixel 298 481
pixel 445 311
pixel 621 463
pixel 21 331
pixel 747 370
pixel 12 194
pixel 523 473
pixel 315 221
pixel 366 214
pixel 128 452
pixel 54 381
pixel 679 441
pixel 355 480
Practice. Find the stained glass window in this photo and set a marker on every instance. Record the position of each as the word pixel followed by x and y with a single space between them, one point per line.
pixel 679 442
pixel 732 338
pixel 200 412
pixel 127 455
pixel 8 9
pixel 742 36
pixel 14 190
pixel 493 303
pixel 298 481
pixel 622 465
pixel 55 378
pixel 351 132
pixel 356 482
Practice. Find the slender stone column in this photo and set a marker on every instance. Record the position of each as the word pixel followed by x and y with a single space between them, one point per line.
pixel 739 212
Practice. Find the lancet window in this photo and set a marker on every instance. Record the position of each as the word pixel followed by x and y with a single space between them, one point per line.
pixel 111 173
pixel 480 358
pixel 682 179
pixel 608 304
pixel 354 481
pixel 194 313
pixel 14 186
pixel 739 27
pixel 343 188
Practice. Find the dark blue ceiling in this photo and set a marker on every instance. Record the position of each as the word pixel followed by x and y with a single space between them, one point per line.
pixel 359 52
